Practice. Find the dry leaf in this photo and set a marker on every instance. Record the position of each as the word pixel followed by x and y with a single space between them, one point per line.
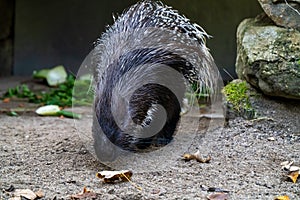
pixel 15 198
pixel 286 164
pixel 85 194
pixel 19 194
pixel 6 100
pixel 196 156
pixel 39 194
pixel 21 105
pixel 218 196
pixel 112 176
pixel 294 168
pixel 282 198
pixel 26 193
pixel 293 176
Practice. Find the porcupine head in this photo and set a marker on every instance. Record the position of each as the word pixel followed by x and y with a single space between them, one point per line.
pixel 145 62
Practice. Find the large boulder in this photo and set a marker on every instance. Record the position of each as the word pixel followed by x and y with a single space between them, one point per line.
pixel 268 57
pixel 283 12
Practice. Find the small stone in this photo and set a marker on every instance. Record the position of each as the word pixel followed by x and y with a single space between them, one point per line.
pixel 155 191
pixel 282 13
pixel 271 139
pixel 111 191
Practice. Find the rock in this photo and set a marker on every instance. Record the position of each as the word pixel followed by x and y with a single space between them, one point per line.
pixel 268 57
pixel 283 13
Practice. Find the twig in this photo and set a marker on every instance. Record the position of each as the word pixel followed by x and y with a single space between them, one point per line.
pixel 132 183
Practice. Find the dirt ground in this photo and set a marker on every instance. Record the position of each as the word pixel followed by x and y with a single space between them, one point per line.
pixel 47 153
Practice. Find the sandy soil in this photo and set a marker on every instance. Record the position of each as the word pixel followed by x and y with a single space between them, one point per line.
pixel 46 153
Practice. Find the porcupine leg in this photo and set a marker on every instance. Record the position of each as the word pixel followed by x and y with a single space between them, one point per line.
pixel 146 114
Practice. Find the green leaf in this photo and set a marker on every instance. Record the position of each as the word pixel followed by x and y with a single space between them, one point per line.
pixel 69 114
pixel 12 113
pixel 54 76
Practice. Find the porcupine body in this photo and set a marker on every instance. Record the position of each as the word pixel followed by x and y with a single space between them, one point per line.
pixel 145 61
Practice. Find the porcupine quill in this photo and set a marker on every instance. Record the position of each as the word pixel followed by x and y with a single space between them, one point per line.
pixel 144 62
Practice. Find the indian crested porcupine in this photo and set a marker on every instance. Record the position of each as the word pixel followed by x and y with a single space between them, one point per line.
pixel 145 62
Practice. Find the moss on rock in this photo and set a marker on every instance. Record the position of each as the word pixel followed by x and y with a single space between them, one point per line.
pixel 237 99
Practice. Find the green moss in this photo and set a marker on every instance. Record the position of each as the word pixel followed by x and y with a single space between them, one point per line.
pixel 237 95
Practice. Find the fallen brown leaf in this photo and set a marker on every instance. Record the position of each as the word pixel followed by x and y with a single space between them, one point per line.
pixel 196 156
pixel 21 105
pixel 85 194
pixel 282 198
pixel 6 100
pixel 294 168
pixel 112 176
pixel 24 193
pixel 293 176
pixel 16 198
pixel 218 196
pixel 19 194
pixel 39 194
pixel 287 165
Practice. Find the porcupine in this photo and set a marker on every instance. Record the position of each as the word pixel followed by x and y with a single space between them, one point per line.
pixel 148 44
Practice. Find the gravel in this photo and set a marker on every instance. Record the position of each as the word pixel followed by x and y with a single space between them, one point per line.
pixel 47 153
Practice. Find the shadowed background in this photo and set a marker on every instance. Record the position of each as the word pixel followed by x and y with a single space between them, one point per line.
pixel 41 34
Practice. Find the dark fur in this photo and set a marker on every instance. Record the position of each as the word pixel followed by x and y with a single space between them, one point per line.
pixel 115 60
pixel 141 100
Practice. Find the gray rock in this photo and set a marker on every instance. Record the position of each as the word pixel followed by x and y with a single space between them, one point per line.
pixel 268 57
pixel 283 13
